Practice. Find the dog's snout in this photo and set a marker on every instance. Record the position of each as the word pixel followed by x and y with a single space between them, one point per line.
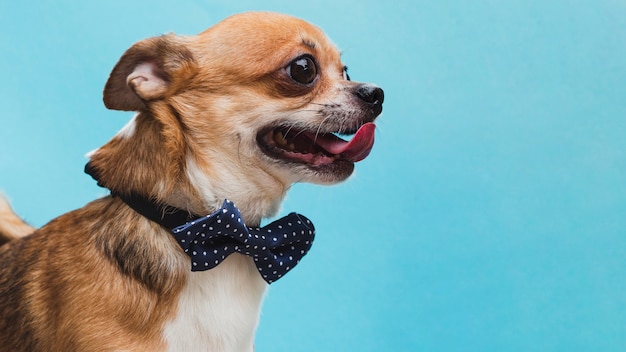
pixel 372 95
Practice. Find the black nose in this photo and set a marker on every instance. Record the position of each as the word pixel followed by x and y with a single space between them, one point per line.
pixel 373 95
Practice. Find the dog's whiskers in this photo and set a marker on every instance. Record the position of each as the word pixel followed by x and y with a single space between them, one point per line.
pixel 319 128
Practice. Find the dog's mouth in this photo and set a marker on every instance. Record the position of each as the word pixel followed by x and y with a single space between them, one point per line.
pixel 314 148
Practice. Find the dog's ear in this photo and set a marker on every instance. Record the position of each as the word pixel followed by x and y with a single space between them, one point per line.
pixel 150 70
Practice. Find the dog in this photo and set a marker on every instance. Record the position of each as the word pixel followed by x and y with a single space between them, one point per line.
pixel 241 112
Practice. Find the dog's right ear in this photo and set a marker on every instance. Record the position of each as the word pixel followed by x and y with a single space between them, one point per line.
pixel 150 70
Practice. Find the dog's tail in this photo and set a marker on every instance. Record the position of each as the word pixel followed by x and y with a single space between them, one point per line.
pixel 11 226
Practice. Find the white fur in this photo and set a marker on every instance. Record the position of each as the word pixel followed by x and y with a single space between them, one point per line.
pixel 128 131
pixel 247 193
pixel 219 309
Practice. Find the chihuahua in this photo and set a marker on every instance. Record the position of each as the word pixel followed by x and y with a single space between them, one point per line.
pixel 239 112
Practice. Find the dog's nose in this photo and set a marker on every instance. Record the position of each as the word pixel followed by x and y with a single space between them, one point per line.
pixel 373 95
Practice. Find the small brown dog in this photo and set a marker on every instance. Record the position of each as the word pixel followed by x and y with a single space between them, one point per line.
pixel 240 111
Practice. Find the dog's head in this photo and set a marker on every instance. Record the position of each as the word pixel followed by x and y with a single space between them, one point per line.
pixel 251 105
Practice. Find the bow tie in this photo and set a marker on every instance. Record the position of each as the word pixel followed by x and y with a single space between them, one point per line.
pixel 275 248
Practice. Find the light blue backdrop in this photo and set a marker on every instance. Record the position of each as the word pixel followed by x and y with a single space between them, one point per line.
pixel 490 215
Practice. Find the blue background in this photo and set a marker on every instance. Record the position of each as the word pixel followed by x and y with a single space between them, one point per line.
pixel 490 215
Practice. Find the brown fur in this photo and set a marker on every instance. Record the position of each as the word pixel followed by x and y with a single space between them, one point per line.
pixel 105 278
pixel 101 287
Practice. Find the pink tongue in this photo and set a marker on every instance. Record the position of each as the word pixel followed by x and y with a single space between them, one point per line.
pixel 356 149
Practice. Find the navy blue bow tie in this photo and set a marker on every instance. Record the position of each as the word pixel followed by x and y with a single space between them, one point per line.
pixel 275 248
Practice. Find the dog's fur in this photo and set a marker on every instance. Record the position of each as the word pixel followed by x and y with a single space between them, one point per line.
pixel 103 277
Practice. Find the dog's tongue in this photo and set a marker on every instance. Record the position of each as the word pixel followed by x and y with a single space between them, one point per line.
pixel 357 149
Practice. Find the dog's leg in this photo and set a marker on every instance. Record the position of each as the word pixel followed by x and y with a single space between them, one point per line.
pixel 11 226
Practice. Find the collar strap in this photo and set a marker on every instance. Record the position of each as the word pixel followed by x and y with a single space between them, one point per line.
pixel 164 215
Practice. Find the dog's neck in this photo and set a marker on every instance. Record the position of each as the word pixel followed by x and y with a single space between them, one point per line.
pixel 150 159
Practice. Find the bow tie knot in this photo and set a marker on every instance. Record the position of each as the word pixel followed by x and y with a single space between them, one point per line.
pixel 275 248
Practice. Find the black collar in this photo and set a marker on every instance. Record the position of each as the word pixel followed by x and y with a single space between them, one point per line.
pixel 164 215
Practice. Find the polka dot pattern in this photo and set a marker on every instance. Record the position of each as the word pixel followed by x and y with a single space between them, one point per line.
pixel 276 248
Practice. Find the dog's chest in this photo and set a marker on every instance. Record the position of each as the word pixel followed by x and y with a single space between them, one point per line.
pixel 218 310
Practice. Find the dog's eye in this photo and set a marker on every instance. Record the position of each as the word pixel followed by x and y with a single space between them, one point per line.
pixel 302 70
pixel 346 76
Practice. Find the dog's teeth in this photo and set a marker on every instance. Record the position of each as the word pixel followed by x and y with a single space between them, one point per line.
pixel 291 146
pixel 280 139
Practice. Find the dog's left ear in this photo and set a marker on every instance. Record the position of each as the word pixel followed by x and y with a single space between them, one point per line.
pixel 150 70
